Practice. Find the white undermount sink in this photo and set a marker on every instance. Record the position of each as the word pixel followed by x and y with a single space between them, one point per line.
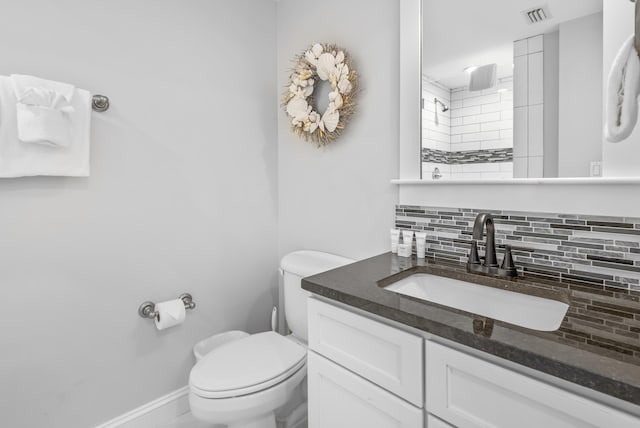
pixel 524 310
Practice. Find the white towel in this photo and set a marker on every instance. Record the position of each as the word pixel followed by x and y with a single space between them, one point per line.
pixel 623 88
pixel 19 159
pixel 43 110
pixel 22 83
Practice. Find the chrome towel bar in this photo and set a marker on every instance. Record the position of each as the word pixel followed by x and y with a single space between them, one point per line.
pixel 100 103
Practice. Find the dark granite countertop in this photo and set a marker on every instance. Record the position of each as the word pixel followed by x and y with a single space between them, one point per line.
pixel 601 352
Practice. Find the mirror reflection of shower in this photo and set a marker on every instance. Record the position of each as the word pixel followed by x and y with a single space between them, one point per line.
pixel 443 107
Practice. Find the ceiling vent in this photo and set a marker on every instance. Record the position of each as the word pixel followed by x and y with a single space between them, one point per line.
pixel 536 15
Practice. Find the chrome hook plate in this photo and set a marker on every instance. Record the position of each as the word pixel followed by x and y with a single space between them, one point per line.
pixel 100 103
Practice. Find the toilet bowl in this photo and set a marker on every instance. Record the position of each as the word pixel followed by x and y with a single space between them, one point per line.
pixel 242 383
pixel 249 378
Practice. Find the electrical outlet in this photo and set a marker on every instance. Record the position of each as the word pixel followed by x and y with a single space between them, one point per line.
pixel 596 169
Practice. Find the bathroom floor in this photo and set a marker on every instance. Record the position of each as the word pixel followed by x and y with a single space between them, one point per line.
pixel 186 421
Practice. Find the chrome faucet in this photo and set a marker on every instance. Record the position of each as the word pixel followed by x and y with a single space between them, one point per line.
pixel 490 264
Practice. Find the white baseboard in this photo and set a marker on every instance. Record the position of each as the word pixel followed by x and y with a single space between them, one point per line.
pixel 154 413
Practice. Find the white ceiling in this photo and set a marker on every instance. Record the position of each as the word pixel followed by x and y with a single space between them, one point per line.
pixel 460 33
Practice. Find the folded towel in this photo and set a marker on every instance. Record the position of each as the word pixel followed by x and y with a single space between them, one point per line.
pixel 43 125
pixel 23 83
pixel 18 159
pixel 623 88
pixel 43 109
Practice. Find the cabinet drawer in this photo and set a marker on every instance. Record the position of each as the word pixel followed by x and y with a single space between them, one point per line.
pixel 469 392
pixel 388 357
pixel 341 399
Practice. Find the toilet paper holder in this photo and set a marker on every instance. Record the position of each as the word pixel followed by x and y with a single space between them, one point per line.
pixel 148 309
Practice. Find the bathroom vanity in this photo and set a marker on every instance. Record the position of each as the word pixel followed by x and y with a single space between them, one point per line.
pixel 378 358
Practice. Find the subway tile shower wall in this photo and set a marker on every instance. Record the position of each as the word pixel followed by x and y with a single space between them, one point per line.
pixel 593 251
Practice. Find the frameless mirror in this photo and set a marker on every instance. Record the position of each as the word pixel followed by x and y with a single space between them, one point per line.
pixel 512 88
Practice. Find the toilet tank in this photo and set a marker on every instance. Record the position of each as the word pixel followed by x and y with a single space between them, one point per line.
pixel 296 266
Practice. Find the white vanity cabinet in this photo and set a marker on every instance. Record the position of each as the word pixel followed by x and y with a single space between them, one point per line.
pixel 362 373
pixel 339 398
pixel 469 392
pixel 365 373
pixel 434 422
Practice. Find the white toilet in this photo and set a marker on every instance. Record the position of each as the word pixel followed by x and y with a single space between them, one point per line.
pixel 245 381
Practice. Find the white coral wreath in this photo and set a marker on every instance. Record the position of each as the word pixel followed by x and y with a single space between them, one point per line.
pixel 329 63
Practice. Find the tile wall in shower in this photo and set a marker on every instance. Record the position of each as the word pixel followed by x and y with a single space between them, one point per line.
pixel 476 122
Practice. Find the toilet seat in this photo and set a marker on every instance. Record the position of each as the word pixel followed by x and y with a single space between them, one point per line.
pixel 247 366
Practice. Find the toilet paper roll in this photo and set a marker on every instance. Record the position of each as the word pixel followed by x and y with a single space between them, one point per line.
pixel 170 313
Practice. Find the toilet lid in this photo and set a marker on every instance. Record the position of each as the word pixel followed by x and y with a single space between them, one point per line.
pixel 246 365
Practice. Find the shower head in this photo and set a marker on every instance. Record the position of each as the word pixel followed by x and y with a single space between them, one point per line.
pixel 443 106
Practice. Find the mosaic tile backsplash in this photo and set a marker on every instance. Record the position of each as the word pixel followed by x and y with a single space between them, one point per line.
pixel 467 157
pixel 595 258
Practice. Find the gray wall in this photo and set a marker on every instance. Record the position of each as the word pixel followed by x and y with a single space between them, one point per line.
pixel 339 198
pixel 580 95
pixel 182 197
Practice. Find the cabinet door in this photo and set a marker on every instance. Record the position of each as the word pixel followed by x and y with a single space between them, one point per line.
pixel 339 398
pixel 433 422
pixel 469 392
pixel 389 357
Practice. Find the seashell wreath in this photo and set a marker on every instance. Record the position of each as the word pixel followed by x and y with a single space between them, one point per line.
pixel 332 64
